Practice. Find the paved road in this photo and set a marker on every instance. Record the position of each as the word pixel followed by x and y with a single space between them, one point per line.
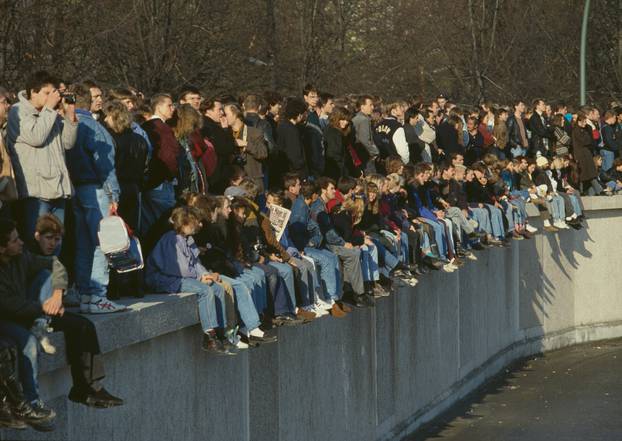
pixel 573 394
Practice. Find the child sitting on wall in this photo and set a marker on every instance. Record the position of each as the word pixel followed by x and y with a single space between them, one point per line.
pixel 174 267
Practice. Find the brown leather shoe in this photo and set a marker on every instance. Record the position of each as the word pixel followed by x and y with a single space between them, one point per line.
pixel 305 315
pixel 345 307
pixel 336 311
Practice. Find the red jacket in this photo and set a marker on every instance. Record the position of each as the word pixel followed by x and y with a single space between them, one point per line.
pixel 166 149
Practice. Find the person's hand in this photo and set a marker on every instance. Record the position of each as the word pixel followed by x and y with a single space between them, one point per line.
pixel 223 122
pixel 54 304
pixel 368 241
pixel 292 263
pixel 52 100
pixel 70 112
pixel 348 245
pixel 210 278
pixel 275 258
pixel 114 206
pixel 241 143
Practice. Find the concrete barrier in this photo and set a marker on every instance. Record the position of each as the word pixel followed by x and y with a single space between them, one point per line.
pixel 376 375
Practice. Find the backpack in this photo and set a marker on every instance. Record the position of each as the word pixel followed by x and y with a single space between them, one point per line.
pixel 121 248
pixel 188 174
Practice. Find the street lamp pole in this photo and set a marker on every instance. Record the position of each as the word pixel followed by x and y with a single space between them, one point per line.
pixel 583 80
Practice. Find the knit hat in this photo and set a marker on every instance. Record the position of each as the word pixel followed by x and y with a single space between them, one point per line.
pixel 541 161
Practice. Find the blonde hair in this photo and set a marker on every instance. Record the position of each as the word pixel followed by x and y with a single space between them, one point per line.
pixel 183 216
pixel 393 180
pixel 120 118
pixel 356 208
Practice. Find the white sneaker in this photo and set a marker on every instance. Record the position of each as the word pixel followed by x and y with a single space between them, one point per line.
pixel 319 312
pixel 241 345
pixel 101 305
pixel 321 304
pixel 530 229
pixel 449 268
pixel 561 225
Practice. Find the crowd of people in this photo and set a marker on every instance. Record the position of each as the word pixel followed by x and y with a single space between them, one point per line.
pixel 379 193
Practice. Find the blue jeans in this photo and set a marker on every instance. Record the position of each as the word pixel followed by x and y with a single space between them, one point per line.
pixel 482 218
pixel 369 263
pixel 211 302
pixel 255 279
pixel 386 259
pixel 305 284
pixel 287 274
pixel 496 220
pixel 608 157
pixel 34 208
pixel 330 273
pixel 509 214
pixel 439 236
pixel 27 345
pixel 244 303
pixel 556 206
pixel 576 204
pixel 154 203
pixel 316 284
pixel 90 205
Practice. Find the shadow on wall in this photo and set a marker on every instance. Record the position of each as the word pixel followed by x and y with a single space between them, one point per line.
pixel 466 410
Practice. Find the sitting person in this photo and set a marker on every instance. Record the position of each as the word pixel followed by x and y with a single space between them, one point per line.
pixel 174 267
pixel 22 302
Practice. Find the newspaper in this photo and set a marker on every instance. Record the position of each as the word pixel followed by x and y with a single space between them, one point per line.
pixel 279 217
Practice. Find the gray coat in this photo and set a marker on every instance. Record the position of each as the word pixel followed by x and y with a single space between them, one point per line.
pixel 37 141
pixel 363 133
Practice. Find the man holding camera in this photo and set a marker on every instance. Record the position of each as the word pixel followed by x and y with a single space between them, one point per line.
pixel 37 137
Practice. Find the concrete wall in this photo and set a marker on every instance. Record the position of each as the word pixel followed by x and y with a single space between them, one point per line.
pixel 376 375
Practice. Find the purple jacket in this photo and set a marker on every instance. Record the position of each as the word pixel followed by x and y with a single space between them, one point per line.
pixel 174 258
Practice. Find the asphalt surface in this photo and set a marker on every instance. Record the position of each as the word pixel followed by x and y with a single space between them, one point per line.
pixel 574 394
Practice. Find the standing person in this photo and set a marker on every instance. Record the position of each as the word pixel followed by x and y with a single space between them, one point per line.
pixel 339 161
pixel 130 160
pixel 190 95
pixel 326 105
pixel 611 140
pixel 582 144
pixel 518 143
pixel 363 133
pixel 128 99
pixel 187 124
pixel 97 99
pixel 540 131
pixel 500 133
pixel 389 133
pixel 251 149
pixel 91 164
pixel 216 129
pixel 159 194
pixel 8 187
pixel 289 139
pixel 37 138
pixel 313 137
pixel 449 136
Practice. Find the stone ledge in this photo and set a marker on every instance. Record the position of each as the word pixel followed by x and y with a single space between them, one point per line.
pixel 147 318
pixel 159 314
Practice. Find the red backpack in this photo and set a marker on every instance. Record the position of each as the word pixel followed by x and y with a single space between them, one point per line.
pixel 203 150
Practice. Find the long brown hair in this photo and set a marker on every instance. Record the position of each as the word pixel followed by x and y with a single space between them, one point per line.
pixel 187 120
pixel 340 114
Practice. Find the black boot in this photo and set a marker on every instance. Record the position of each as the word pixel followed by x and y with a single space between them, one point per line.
pixel 39 417
pixel 7 419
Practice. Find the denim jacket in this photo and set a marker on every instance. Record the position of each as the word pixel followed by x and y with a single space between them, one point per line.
pixel 303 231
pixel 91 161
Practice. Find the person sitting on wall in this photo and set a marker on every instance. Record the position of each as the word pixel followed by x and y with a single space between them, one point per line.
pixel 32 286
